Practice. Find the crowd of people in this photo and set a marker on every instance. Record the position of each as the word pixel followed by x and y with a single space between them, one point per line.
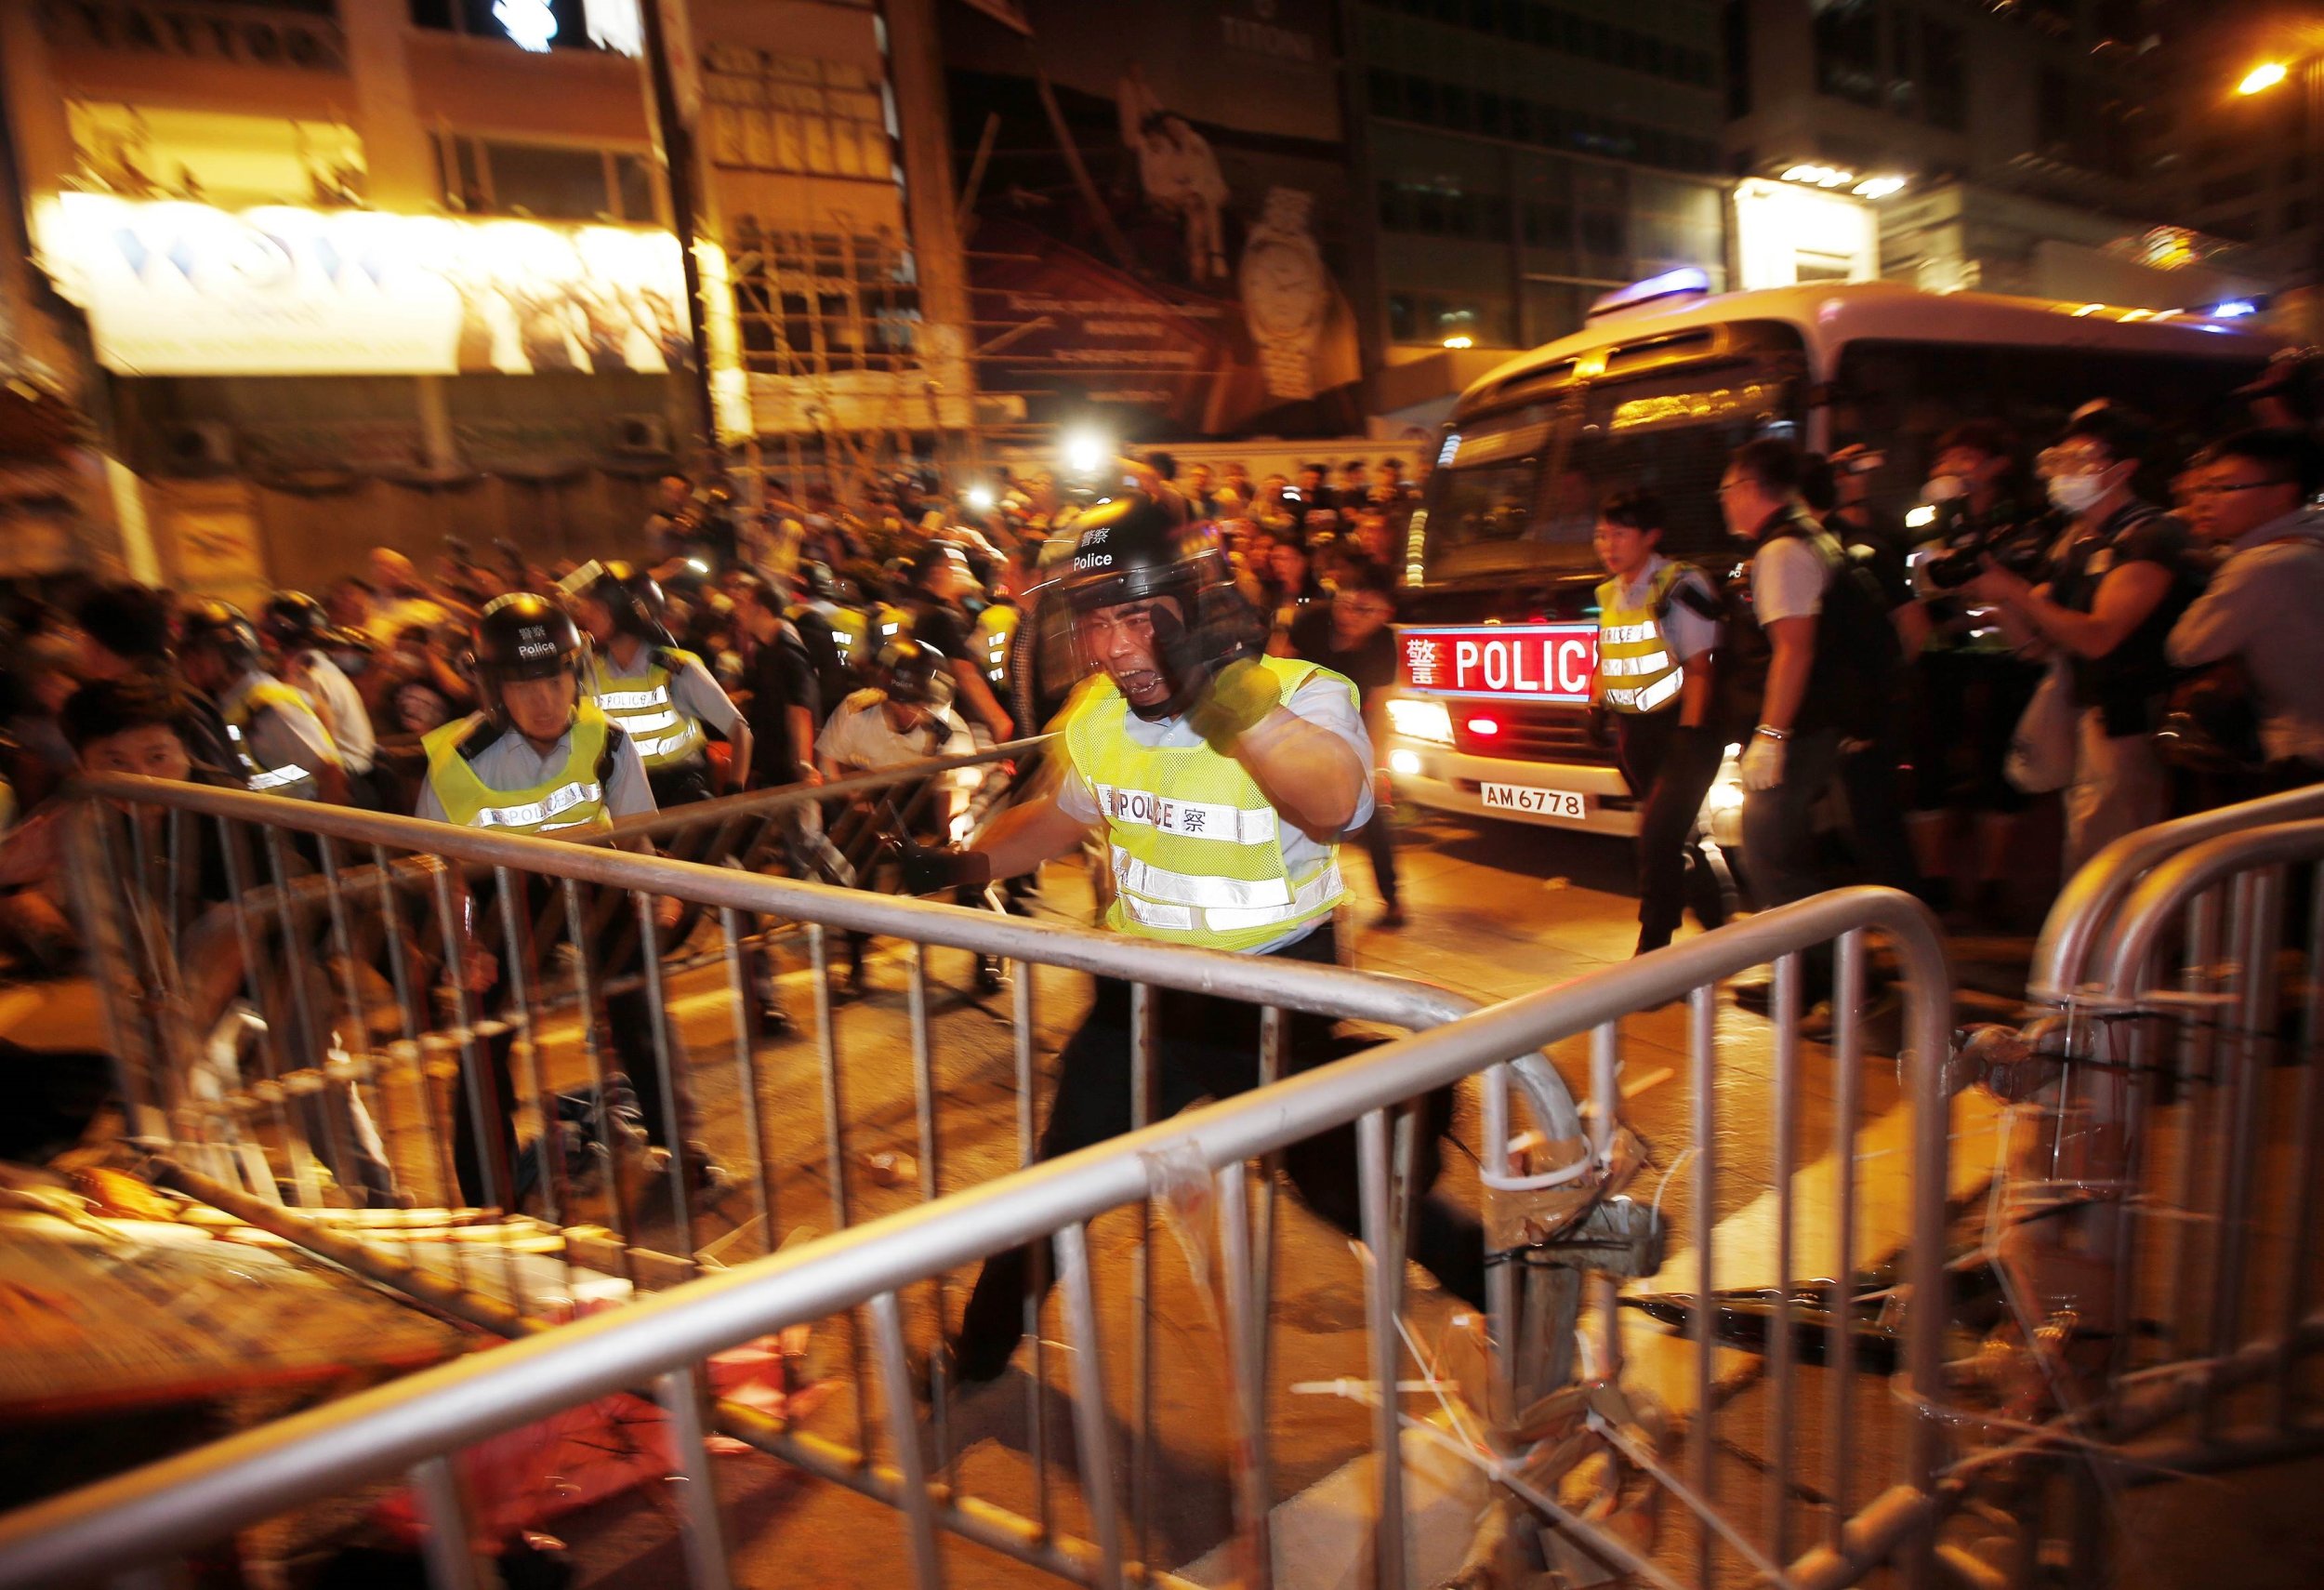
pixel 809 639
pixel 2053 628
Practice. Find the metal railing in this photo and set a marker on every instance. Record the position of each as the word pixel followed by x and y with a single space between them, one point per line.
pixel 2071 947
pixel 2154 1238
pixel 413 1425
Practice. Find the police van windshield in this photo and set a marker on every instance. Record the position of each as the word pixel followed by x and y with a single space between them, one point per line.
pixel 1520 489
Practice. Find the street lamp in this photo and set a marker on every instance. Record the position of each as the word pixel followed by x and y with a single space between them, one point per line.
pixel 2263 77
pixel 2271 74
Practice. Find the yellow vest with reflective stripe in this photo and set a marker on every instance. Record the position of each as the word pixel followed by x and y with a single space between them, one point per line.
pixel 850 632
pixel 572 797
pixel 268 696
pixel 989 642
pixel 1197 847
pixel 1636 662
pixel 643 707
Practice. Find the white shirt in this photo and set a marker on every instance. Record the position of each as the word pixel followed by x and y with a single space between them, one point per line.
pixel 510 762
pixel 341 707
pixel 1324 701
pixel 287 736
pixel 1787 579
pixel 1685 631
pixel 860 736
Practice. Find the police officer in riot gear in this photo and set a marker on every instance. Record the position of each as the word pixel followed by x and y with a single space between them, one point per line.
pixel 540 758
pixel 1220 780
pixel 661 696
pixel 280 745
pixel 301 635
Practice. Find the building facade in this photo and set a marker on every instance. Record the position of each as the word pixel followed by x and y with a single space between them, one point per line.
pixel 2009 145
pixel 343 273
pixel 1521 158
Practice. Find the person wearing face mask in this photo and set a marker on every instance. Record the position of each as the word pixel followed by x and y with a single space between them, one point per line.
pixel 2120 575
pixel 1971 687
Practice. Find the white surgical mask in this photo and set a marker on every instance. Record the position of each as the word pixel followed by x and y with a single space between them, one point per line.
pixel 2075 494
pixel 1944 488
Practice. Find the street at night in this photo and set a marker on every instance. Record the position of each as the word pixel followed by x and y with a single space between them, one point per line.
pixel 1297 794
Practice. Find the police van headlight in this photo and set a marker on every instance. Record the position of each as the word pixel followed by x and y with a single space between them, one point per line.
pixel 1418 720
pixel 1404 764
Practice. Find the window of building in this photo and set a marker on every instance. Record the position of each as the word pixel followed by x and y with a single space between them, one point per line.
pixel 792 113
pixel 483 175
pixel 2240 228
pixel 809 304
pixel 1944 75
pixel 2295 215
pixel 565 24
pixel 1848 51
pixel 1734 38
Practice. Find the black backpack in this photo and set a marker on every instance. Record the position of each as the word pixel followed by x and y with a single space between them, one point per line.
pixel 1852 686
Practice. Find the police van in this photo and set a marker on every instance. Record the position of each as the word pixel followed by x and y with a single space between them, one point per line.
pixel 1498 635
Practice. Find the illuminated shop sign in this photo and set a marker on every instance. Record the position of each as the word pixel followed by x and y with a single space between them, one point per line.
pixel 1541 662
pixel 186 290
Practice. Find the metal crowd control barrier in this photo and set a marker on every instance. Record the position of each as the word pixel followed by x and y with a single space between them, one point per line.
pixel 2164 1212
pixel 413 1426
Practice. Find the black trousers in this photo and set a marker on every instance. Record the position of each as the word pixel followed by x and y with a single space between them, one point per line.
pixel 1379 837
pixel 1670 770
pixel 1206 1046
pixel 628 1019
pixel 1870 781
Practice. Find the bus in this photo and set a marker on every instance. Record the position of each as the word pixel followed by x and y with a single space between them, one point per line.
pixel 1497 642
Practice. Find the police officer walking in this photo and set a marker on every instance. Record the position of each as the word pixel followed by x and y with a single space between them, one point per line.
pixel 659 694
pixel 300 632
pixel 1656 629
pixel 1221 781
pixel 280 746
pixel 541 758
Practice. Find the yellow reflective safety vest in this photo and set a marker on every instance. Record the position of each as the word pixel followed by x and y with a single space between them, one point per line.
pixel 268 696
pixel 995 631
pixel 850 632
pixel 889 622
pixel 643 707
pixel 572 797
pixel 1196 848
pixel 1639 670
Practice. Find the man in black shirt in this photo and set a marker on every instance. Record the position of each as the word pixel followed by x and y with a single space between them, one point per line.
pixel 785 704
pixel 2119 578
pixel 1351 637
pixel 940 576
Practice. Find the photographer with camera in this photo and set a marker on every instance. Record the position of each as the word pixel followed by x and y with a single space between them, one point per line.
pixel 1972 687
pixel 2117 581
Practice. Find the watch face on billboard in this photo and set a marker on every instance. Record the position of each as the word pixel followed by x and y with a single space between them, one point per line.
pixel 1158 214
pixel 175 288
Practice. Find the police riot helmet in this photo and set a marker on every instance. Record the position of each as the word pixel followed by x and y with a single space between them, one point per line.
pixel 1134 548
pixel 220 628
pixel 523 636
pixel 634 597
pixel 914 672
pixel 295 619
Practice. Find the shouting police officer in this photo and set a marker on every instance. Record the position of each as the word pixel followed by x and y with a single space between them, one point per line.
pixel 1221 781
